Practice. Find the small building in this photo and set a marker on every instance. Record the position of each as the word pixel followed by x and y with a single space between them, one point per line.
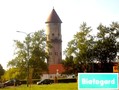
pixel 55 70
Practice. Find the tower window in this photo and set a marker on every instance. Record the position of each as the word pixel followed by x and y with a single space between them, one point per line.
pixel 50 53
pixel 56 53
pixel 58 34
pixel 52 34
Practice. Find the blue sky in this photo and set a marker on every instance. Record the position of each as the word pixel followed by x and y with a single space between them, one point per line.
pixel 30 16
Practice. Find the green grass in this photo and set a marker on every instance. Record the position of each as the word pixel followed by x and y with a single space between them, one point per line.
pixel 58 86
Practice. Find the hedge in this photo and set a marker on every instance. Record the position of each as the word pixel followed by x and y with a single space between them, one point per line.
pixel 69 80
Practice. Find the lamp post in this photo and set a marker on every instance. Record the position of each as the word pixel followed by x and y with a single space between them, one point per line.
pixel 28 57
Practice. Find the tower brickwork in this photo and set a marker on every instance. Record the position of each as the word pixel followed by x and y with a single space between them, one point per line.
pixel 54 38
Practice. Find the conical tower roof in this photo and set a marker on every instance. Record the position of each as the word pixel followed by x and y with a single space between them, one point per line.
pixel 53 17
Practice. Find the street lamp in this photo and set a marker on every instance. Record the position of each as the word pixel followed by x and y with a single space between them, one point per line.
pixel 28 57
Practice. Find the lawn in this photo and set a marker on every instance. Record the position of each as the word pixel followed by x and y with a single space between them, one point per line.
pixel 58 86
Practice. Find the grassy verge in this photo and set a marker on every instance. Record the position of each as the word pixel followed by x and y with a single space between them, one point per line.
pixel 58 86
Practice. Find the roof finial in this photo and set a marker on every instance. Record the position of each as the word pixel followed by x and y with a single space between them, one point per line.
pixel 53 17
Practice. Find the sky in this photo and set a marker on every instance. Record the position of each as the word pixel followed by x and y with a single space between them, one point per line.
pixel 30 16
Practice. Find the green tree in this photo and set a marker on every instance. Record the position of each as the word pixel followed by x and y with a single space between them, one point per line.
pixel 2 71
pixel 106 46
pixel 37 55
pixel 69 65
pixel 86 49
pixel 11 74
pixel 80 47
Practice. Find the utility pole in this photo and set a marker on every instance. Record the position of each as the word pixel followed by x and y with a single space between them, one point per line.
pixel 28 57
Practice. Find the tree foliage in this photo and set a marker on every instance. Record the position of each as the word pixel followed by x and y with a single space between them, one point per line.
pixel 87 49
pixel 2 71
pixel 106 46
pixel 35 44
pixel 12 73
pixel 79 47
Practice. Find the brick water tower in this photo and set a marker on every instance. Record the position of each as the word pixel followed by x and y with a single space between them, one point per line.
pixel 54 38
